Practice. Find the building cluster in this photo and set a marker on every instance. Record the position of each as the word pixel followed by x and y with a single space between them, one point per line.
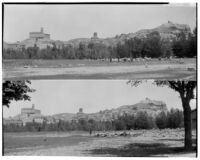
pixel 42 41
pixel 32 115
pixel 27 115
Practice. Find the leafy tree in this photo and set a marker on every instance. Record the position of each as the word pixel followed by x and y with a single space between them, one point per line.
pixel 174 118
pixel 161 120
pixel 134 46
pixel 143 121
pixel 166 49
pixel 111 52
pixel 119 124
pixel 186 92
pixel 15 90
pixel 185 46
pixel 130 47
pixel 153 45
pixel 192 44
pixel 179 49
pixel 119 50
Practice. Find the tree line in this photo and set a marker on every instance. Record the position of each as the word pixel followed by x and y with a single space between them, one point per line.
pixel 142 120
pixel 151 46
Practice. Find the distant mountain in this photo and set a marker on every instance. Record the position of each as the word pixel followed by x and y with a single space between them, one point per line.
pixel 152 107
pixel 167 30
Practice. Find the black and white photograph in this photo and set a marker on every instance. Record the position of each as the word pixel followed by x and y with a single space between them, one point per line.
pixel 100 41
pixel 100 118
pixel 99 79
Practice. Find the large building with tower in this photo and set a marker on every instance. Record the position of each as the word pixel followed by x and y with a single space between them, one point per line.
pixel 27 115
pixel 39 39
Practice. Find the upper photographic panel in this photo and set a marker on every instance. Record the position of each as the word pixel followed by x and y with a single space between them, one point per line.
pixel 99 41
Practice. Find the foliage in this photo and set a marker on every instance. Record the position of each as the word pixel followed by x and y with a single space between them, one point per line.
pixel 161 120
pixel 185 46
pixel 15 90
pixel 186 92
pixel 152 45
pixel 172 119
pixel 143 121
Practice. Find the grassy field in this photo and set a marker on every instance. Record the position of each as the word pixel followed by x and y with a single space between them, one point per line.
pixel 98 69
pixel 146 143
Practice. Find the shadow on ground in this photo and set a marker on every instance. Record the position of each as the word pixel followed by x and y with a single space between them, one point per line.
pixel 142 150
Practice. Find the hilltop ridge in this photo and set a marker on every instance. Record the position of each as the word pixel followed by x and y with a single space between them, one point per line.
pixel 167 31
pixel 152 107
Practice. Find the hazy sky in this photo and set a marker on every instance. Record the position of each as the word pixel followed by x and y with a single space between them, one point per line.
pixel 67 96
pixel 66 22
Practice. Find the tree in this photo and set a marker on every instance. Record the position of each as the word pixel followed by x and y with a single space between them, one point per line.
pixel 174 118
pixel 161 120
pixel 186 92
pixel 15 90
pixel 119 50
pixel 130 47
pixel 192 44
pixel 111 52
pixel 166 49
pixel 143 121
pixel 134 46
pixel 153 45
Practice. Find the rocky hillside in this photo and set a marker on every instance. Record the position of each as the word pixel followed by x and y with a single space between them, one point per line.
pixel 167 30
pixel 152 107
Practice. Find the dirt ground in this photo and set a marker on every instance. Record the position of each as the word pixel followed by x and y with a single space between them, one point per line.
pixel 95 69
pixel 145 143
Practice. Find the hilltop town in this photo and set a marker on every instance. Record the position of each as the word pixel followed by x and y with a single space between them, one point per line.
pixel 29 115
pixel 168 31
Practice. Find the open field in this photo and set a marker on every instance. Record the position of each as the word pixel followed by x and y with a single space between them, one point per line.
pixel 166 142
pixel 98 69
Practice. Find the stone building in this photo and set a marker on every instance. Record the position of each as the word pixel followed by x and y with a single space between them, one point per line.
pixel 40 39
pixel 80 115
pixel 31 115
pixel 30 111
pixel 27 115
pixel 13 46
pixel 95 38
pixel 13 121
pixel 39 35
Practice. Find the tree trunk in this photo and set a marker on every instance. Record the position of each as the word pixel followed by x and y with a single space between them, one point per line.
pixel 110 59
pixel 188 125
pixel 131 56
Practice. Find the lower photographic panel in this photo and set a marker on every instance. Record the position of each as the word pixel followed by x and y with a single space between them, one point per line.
pixel 104 118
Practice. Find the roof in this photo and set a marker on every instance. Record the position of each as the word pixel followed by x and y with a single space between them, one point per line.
pixel 38 33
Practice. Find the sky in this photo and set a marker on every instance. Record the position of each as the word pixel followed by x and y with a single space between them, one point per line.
pixel 67 96
pixel 65 22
